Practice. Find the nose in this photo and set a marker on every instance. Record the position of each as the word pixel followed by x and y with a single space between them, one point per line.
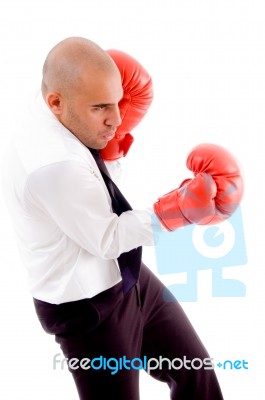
pixel 114 117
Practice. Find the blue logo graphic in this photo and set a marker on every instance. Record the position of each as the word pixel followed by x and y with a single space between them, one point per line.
pixel 196 247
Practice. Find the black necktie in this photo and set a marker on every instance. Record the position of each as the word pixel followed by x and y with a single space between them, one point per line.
pixel 130 261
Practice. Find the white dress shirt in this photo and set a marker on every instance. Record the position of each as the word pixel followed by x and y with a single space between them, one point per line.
pixel 68 236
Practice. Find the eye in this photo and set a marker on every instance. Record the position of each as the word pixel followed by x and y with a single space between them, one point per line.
pixel 100 107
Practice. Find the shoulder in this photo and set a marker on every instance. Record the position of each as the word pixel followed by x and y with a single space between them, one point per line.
pixel 42 140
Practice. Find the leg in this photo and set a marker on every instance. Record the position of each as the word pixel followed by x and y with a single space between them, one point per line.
pixel 109 325
pixel 169 334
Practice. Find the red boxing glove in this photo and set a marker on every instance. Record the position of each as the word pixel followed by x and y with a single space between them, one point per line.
pixel 138 95
pixel 212 196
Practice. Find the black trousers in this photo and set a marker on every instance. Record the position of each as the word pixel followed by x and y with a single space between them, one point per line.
pixel 139 325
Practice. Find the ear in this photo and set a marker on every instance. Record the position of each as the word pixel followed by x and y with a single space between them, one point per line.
pixel 55 102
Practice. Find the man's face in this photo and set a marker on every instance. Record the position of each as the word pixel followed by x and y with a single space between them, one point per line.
pixel 92 113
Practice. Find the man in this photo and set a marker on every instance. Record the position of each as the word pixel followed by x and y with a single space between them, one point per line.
pixel 81 241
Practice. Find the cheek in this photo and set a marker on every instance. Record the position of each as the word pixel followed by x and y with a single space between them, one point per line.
pixel 95 119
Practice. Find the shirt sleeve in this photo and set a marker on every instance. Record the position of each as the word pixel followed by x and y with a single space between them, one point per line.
pixel 75 199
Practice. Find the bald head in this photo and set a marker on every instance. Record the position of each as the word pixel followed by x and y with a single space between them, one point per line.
pixel 82 87
pixel 67 63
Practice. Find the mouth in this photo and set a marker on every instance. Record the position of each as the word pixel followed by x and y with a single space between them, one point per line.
pixel 109 136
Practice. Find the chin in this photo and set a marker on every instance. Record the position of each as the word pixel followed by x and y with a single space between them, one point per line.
pixel 97 146
pixel 102 146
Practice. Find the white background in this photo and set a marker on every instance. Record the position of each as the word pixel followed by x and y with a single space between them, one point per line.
pixel 207 61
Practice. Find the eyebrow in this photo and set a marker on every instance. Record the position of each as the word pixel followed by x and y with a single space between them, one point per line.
pixel 102 105
pixel 106 104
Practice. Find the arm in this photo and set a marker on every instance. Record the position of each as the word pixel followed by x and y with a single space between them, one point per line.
pixel 77 203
